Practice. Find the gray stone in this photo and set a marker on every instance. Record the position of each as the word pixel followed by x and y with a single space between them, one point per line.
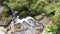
pixel 45 20
pixel 39 17
pixel 5 22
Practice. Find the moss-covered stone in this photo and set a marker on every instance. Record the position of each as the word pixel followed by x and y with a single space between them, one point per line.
pixel 4 13
pixel 18 27
pixel 39 17
pixel 4 17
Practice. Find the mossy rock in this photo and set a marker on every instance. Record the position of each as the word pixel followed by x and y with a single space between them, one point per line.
pixel 4 11
pixel 4 17
pixel 5 22
pixel 23 14
pixel 18 27
pixel 39 17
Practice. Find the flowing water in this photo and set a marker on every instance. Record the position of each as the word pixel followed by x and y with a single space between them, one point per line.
pixel 29 24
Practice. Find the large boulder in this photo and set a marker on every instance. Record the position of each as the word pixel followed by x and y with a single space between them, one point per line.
pixel 4 16
pixel 5 22
pixel 45 21
pixel 18 27
pixel 39 17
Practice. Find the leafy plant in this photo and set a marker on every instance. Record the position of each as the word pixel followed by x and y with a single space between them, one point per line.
pixel 15 4
pixel 52 28
pixel 34 6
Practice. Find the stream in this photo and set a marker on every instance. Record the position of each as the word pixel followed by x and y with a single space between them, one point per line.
pixel 26 25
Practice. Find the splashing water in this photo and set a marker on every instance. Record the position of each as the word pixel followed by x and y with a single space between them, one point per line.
pixel 28 23
pixel 28 20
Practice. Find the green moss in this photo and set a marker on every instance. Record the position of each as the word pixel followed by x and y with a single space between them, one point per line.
pixel 23 14
pixel 16 4
pixel 4 13
pixel 53 28
pixel 35 6
pixel 18 26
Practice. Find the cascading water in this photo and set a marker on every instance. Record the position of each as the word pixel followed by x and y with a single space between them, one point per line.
pixel 28 23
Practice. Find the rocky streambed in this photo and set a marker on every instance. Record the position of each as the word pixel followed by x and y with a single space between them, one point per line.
pixel 28 25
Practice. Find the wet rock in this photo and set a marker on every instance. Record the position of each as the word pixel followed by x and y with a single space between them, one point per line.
pixel 4 19
pixel 5 22
pixel 29 20
pixel 22 32
pixel 29 31
pixel 45 21
pixel 39 17
pixel 18 27
pixel 26 25
pixel 4 11
pixel 39 26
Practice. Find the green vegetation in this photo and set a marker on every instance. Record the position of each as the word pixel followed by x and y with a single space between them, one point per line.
pixel 34 6
pixel 4 13
pixel 52 28
pixel 16 4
